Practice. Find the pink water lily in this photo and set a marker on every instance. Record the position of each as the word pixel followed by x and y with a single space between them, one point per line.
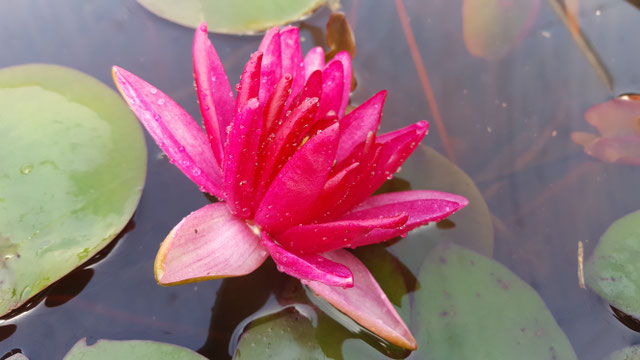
pixel 294 175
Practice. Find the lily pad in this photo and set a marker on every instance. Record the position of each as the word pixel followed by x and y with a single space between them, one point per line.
pixel 284 335
pixel 492 28
pixel 472 227
pixel 471 307
pixel 628 353
pixel 129 350
pixel 232 17
pixel 613 271
pixel 71 173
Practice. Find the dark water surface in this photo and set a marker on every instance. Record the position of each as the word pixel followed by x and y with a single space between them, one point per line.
pixel 507 122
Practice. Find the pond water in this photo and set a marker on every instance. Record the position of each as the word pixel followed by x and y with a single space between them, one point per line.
pixel 508 124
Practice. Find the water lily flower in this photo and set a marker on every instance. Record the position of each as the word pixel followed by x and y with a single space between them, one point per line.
pixel 618 122
pixel 293 173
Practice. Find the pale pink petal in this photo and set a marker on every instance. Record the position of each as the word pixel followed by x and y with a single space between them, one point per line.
pixel 249 86
pixel 314 60
pixel 175 132
pixel 618 117
pixel 623 150
pixel 292 61
pixel 308 267
pixel 241 156
pixel 422 207
pixel 345 59
pixel 332 84
pixel 319 238
pixel 365 303
pixel 271 70
pixel 214 92
pixel 210 243
pixel 355 126
pixel 299 183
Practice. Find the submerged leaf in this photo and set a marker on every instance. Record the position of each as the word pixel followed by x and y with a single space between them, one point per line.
pixel 129 350
pixel 71 172
pixel 618 122
pixel 613 271
pixel 470 307
pixel 493 28
pixel 232 17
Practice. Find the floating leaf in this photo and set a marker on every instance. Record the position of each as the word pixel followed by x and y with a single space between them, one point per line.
pixel 492 28
pixel 618 122
pixel 628 353
pixel 129 350
pixel 285 335
pixel 613 271
pixel 71 173
pixel 470 307
pixel 471 227
pixel 232 17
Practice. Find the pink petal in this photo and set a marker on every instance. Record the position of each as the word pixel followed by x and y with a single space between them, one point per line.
pixel 617 117
pixel 214 92
pixel 332 84
pixel 175 132
pixel 241 156
pixel 249 86
pixel 312 89
pixel 422 207
pixel 345 59
pixel 319 238
pixel 308 267
pixel 292 62
pixel 623 150
pixel 335 190
pixel 271 70
pixel 210 243
pixel 355 126
pixel 314 60
pixel 299 183
pixel 365 303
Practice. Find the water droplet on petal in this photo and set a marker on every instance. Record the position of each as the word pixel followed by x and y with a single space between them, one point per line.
pixel 160 101
pixel 154 90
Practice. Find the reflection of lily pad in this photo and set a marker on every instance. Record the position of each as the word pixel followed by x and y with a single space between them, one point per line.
pixel 628 353
pixel 613 271
pixel 470 307
pixel 472 226
pixel 129 350
pixel 492 28
pixel 71 173
pixel 232 17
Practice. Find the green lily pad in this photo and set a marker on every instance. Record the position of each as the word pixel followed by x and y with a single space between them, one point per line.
pixel 471 307
pixel 613 271
pixel 471 227
pixel 129 350
pixel 284 335
pixel 628 353
pixel 492 28
pixel 71 173
pixel 232 17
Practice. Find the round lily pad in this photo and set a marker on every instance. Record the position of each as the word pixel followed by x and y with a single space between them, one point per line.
pixel 613 271
pixel 470 307
pixel 129 350
pixel 72 169
pixel 232 17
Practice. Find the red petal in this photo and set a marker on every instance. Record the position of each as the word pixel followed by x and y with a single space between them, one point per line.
pixel 292 62
pixel 271 70
pixel 332 84
pixel 177 134
pixel 345 59
pixel 210 243
pixel 357 124
pixel 249 86
pixel 299 183
pixel 319 238
pixel 214 92
pixel 308 267
pixel 313 61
